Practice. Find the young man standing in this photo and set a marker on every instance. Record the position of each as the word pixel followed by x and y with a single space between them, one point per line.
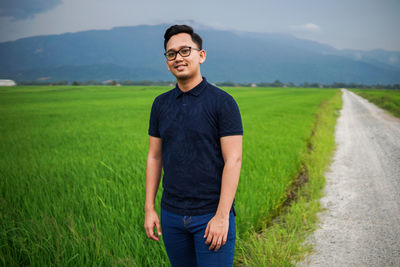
pixel 196 137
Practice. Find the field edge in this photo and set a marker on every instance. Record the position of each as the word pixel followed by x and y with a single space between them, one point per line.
pixel 283 242
pixel 381 98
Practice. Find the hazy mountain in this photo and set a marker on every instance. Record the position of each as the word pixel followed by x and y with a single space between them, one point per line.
pixel 136 53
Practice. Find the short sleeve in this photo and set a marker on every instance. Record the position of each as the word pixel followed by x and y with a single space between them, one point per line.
pixel 154 120
pixel 229 119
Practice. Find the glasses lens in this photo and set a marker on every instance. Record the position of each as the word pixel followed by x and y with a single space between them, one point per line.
pixel 170 55
pixel 185 52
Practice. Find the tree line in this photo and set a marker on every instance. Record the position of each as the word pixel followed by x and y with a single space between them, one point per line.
pixel 276 83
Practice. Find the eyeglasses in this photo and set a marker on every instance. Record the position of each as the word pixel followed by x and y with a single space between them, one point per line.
pixel 184 52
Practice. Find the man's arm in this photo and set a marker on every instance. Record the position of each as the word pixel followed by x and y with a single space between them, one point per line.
pixel 217 228
pixel 153 177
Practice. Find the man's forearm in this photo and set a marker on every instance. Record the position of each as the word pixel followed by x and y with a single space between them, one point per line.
pixel 153 177
pixel 230 180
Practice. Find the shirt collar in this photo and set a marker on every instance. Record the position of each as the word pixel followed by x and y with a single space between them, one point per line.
pixel 194 91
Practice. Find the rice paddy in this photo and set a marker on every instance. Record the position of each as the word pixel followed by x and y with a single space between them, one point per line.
pixel 73 160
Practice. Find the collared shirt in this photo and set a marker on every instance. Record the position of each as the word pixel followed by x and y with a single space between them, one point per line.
pixel 190 125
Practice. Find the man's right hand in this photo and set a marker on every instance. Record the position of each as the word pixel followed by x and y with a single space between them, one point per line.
pixel 150 220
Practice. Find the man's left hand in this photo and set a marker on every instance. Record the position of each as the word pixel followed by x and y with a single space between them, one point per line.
pixel 217 231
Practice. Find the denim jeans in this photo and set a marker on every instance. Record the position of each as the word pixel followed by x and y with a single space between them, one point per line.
pixel 185 245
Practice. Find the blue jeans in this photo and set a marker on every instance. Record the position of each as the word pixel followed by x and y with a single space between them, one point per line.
pixel 185 245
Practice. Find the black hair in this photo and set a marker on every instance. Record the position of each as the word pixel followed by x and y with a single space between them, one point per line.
pixel 175 29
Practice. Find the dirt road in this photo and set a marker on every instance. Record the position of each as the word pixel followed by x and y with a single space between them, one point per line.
pixel 361 223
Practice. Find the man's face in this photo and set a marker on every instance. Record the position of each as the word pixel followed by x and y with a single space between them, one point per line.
pixel 184 67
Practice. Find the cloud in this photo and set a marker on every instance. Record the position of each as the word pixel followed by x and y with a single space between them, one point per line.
pixel 23 9
pixel 308 27
pixel 357 56
pixel 393 59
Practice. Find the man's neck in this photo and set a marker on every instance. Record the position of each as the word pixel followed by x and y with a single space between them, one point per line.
pixel 187 85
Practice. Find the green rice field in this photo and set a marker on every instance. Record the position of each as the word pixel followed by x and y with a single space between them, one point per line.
pixel 386 99
pixel 73 161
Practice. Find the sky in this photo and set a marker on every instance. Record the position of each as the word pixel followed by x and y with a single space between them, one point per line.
pixel 343 24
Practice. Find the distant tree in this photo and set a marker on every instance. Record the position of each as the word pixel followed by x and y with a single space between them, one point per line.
pixel 305 85
pixel 91 82
pixel 227 83
pixel 59 83
pixel 264 84
pixel 277 83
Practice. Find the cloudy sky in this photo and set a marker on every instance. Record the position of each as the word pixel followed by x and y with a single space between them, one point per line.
pixel 354 24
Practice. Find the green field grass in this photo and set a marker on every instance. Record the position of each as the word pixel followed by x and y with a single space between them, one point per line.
pixel 386 99
pixel 282 243
pixel 72 178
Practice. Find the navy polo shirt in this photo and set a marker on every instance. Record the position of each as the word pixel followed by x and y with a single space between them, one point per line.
pixel 190 125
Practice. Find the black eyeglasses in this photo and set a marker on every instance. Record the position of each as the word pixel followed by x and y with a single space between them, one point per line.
pixel 184 52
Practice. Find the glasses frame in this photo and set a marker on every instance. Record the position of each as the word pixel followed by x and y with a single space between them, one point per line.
pixel 179 51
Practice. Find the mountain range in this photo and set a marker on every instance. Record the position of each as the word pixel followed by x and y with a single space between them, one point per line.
pixel 136 53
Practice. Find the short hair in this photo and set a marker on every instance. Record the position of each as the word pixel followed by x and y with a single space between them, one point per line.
pixel 175 29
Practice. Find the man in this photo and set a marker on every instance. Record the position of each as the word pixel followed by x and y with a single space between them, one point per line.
pixel 196 137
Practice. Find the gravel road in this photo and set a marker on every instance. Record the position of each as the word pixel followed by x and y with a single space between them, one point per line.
pixel 361 223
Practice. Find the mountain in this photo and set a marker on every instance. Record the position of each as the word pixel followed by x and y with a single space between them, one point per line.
pixel 136 53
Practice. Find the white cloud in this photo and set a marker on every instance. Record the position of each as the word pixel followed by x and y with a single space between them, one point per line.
pixel 357 56
pixel 308 27
pixel 393 59
pixel 311 27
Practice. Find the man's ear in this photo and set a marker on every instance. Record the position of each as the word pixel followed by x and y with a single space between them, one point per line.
pixel 203 56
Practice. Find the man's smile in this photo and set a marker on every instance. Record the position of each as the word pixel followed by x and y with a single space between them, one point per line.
pixel 180 66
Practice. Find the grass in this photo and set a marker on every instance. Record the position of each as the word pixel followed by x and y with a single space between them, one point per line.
pixel 386 99
pixel 72 174
pixel 283 242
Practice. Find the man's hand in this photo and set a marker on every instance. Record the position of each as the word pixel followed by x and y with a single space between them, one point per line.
pixel 150 220
pixel 217 231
